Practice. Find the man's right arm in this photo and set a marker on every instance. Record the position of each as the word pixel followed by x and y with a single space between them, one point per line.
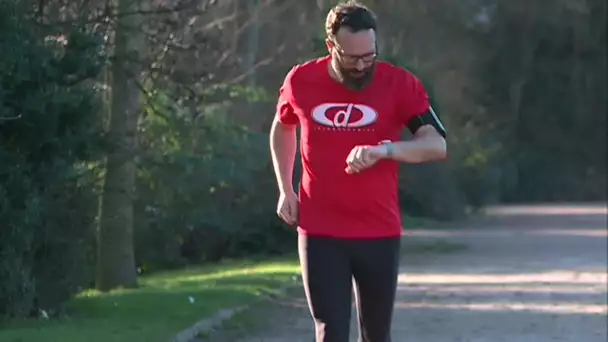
pixel 283 146
pixel 283 142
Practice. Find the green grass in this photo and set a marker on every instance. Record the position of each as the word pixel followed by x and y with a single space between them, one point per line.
pixel 414 222
pixel 435 246
pixel 160 308
pixel 257 318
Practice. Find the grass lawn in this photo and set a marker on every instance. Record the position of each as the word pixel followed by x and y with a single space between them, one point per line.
pixel 165 304
pixel 413 222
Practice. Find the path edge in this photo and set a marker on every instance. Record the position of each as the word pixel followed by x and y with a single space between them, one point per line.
pixel 209 324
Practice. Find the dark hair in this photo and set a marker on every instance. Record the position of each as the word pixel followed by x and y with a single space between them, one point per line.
pixel 350 14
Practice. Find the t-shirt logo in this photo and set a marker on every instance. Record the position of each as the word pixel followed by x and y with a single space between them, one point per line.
pixel 344 115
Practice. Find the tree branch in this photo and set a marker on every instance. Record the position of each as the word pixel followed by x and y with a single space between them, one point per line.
pixel 110 12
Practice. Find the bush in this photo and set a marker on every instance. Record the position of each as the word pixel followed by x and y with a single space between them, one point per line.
pixel 49 129
pixel 430 190
pixel 203 189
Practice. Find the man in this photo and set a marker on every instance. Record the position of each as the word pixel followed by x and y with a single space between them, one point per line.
pixel 351 109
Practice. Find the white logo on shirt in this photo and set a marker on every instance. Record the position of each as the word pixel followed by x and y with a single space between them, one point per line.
pixel 344 115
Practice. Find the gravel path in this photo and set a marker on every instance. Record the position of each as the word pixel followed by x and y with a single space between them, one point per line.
pixel 529 274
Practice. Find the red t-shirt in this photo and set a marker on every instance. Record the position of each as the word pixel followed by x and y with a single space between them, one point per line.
pixel 333 120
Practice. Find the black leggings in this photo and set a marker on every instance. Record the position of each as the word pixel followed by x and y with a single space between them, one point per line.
pixel 330 268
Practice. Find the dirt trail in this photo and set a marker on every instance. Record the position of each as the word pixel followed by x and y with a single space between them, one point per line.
pixel 529 274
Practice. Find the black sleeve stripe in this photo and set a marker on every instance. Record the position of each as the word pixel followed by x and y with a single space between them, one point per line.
pixel 427 118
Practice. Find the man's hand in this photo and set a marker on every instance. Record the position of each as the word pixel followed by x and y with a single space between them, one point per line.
pixel 363 157
pixel 287 208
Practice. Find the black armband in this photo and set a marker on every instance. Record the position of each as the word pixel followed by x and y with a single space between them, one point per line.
pixel 427 118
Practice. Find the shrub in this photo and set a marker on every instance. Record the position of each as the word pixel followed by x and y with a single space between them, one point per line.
pixel 204 186
pixel 49 129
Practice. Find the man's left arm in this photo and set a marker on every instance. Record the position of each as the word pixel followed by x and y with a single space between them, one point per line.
pixel 428 143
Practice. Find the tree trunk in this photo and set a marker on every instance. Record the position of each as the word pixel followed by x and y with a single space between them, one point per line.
pixel 253 39
pixel 115 250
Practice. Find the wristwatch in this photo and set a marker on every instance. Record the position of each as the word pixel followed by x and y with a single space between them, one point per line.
pixel 389 148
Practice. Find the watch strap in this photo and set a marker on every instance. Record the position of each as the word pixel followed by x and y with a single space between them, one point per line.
pixel 390 148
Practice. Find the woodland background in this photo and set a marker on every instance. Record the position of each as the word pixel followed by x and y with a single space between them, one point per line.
pixel 134 133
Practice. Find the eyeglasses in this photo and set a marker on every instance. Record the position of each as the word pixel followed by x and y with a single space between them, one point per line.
pixel 353 59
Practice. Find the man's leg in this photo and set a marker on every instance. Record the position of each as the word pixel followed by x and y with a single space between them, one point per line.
pixel 328 284
pixel 375 269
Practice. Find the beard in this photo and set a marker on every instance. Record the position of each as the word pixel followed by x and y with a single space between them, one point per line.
pixel 355 79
